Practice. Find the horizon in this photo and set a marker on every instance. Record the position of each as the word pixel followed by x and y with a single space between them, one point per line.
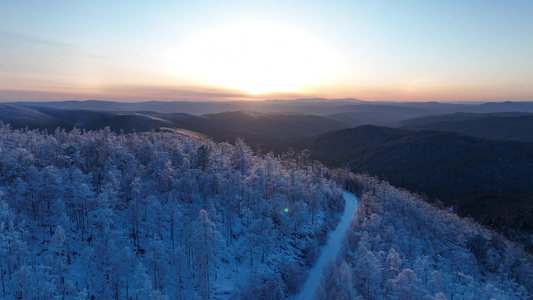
pixel 412 51
pixel 354 100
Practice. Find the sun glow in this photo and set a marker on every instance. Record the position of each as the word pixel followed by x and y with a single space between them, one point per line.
pixel 256 57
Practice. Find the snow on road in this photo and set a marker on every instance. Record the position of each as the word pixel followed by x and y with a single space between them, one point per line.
pixel 330 250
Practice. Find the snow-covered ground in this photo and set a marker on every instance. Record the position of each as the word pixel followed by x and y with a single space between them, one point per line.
pixel 156 215
pixel 330 250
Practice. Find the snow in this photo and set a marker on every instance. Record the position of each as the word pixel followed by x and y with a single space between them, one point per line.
pixel 159 214
pixel 330 250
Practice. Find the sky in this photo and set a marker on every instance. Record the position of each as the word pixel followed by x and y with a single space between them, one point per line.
pixel 464 50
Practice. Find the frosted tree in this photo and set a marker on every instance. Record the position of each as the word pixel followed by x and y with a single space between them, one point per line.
pixel 207 241
pixel 23 280
pixel 437 283
pixel 393 263
pixel 264 284
pixel 337 283
pixel 407 286
pixel 79 199
pixel 241 157
pixel 58 247
pixel 155 216
pixel 122 269
pixel 441 296
pixel 367 273
pixel 6 236
pixel 133 214
pixel 104 213
pixel 158 258
pixel 143 285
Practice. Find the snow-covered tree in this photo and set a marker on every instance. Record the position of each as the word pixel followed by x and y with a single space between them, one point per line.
pixel 207 241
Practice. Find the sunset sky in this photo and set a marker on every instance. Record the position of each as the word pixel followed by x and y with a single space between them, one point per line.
pixel 230 50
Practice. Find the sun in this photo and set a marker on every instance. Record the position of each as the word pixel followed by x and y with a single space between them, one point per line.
pixel 256 57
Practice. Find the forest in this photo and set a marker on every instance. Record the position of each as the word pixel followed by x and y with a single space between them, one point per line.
pixel 157 215
pixel 486 179
pixel 171 214
pixel 401 247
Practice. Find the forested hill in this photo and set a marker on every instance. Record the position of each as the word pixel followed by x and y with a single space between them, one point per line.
pixel 156 216
pixel 488 180
pixel 464 166
pixel 400 247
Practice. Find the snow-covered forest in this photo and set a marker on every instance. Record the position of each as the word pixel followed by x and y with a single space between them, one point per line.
pixel 400 247
pixel 174 215
pixel 159 215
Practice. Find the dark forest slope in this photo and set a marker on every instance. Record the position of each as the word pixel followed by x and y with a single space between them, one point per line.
pixel 501 126
pixel 486 179
pixel 465 166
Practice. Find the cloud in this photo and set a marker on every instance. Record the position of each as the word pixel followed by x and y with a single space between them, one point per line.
pixel 135 93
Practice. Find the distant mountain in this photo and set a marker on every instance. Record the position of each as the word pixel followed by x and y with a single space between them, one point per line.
pixel 351 112
pixel 275 127
pixel 302 106
pixel 51 118
pixel 255 127
pixel 494 107
pixel 500 126
pixel 22 117
pixel 376 116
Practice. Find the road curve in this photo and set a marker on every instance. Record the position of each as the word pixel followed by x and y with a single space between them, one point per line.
pixel 330 250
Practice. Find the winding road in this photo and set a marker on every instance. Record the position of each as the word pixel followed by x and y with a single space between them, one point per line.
pixel 330 250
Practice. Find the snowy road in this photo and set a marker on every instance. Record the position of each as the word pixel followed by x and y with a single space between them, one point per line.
pixel 330 250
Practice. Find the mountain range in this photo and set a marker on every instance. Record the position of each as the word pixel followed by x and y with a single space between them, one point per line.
pixel 475 158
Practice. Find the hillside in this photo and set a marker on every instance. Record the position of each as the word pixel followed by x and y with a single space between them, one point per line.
pixel 25 117
pixel 410 158
pixel 171 214
pixel 486 179
pixel 400 247
pixel 501 126
pixel 258 128
pixel 163 215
